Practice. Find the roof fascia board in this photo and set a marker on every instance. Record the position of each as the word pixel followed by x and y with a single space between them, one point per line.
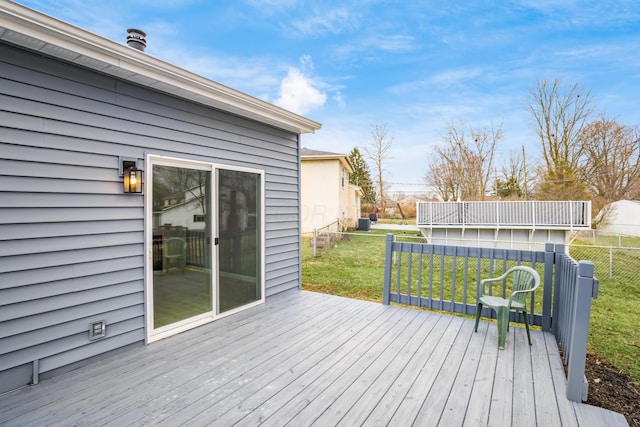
pixel 341 158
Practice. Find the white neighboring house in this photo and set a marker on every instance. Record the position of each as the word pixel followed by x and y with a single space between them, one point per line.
pixel 187 209
pixel 176 210
pixel 621 217
pixel 327 196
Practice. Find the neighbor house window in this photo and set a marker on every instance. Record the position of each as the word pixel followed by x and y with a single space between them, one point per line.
pixel 344 177
pixel 199 218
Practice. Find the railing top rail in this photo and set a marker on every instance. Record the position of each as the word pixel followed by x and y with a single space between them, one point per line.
pixel 469 251
pixel 509 202
pixel 561 214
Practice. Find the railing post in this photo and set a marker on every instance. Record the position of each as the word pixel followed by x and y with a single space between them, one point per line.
pixel 576 388
pixel 610 262
pixel 388 264
pixel 571 215
pixel 548 286
pixel 431 214
pixel 557 288
pixel 315 242
pixel 533 212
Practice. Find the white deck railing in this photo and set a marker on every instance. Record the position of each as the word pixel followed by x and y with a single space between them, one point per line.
pixel 525 214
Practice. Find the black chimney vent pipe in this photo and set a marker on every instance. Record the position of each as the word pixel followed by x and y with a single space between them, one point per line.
pixel 136 39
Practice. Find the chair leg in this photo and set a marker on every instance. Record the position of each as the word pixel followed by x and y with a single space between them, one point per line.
pixel 526 324
pixel 478 311
pixel 503 325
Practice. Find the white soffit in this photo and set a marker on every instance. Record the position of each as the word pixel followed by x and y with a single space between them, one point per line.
pixel 33 30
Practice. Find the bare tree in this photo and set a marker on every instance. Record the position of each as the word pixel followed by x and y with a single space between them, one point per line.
pixel 462 166
pixel 442 175
pixel 558 115
pixel 611 160
pixel 377 151
pixel 512 182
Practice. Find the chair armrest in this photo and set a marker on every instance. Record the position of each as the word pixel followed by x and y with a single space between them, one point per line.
pixel 483 282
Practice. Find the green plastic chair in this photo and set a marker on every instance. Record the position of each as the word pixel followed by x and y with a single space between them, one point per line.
pixel 174 254
pixel 524 280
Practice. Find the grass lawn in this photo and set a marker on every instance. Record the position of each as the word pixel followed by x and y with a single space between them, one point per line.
pixel 354 268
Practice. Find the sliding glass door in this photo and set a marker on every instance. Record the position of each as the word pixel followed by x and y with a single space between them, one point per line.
pixel 182 269
pixel 205 243
pixel 239 213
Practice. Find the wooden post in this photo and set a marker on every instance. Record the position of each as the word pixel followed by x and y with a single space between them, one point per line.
pixel 315 243
pixel 577 388
pixel 557 289
pixel 388 264
pixel 547 286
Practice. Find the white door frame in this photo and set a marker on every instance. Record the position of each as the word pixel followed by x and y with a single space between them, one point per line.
pixel 152 334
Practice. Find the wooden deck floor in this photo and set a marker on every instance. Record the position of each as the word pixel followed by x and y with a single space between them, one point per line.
pixel 311 359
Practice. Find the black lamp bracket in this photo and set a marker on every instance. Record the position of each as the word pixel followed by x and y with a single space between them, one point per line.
pixel 125 163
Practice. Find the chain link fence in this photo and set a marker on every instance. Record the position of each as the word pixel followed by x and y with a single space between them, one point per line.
pixel 325 238
pixel 616 257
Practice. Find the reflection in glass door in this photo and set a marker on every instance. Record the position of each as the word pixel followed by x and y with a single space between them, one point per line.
pixel 239 253
pixel 182 279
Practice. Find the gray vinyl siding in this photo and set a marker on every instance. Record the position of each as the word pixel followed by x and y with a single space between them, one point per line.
pixel 71 243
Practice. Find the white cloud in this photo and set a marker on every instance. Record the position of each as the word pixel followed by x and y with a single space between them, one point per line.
pixel 298 93
pixel 333 21
pixel 370 46
pixel 395 43
pixel 452 77
pixel 339 98
pixel 252 75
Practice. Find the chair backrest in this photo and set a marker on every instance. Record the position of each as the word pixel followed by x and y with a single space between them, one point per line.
pixel 523 279
pixel 174 246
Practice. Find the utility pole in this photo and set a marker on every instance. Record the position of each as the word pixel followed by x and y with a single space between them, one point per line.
pixel 524 166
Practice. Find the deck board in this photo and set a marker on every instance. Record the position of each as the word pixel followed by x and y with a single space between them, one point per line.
pixel 459 397
pixel 547 409
pixel 410 406
pixel 501 407
pixel 350 388
pixel 258 350
pixel 308 387
pixel 478 412
pixel 433 407
pixel 311 359
pixel 524 412
pixel 381 390
pixel 182 366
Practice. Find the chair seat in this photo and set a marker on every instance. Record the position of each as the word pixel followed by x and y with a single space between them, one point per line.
pixel 500 302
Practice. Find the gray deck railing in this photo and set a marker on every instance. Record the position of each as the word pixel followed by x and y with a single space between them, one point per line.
pixel 575 287
pixel 557 214
pixel 445 278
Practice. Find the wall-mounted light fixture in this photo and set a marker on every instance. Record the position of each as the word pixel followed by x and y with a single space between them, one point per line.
pixel 132 176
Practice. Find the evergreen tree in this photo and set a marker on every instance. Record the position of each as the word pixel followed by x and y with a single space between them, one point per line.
pixel 361 176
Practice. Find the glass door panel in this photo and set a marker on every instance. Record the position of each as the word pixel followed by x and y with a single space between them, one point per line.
pixel 239 252
pixel 182 279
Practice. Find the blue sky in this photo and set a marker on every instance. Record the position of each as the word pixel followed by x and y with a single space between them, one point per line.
pixel 414 65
